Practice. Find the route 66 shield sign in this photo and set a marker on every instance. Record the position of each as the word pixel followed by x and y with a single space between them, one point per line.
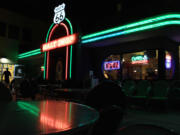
pixel 59 14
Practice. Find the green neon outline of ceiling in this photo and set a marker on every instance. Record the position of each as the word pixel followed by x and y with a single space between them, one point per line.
pixel 137 29
pixel 29 52
pixel 163 18
pixel 134 24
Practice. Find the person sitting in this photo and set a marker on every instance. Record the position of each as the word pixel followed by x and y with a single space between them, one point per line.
pixel 110 101
pixel 104 94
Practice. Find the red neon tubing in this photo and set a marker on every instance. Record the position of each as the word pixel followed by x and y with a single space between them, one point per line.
pixel 67 51
pixel 47 69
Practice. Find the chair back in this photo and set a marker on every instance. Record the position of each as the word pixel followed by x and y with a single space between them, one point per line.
pixel 160 88
pixel 128 87
pixel 143 87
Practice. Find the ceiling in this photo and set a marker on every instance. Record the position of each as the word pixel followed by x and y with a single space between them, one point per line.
pixel 94 15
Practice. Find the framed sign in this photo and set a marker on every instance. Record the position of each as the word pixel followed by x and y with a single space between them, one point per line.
pixel 112 65
pixel 139 59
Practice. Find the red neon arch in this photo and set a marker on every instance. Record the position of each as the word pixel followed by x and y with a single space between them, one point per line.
pixel 67 50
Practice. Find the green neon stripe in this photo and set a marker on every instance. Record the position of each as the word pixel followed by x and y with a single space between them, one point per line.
pixel 30 52
pixel 71 28
pixel 139 23
pixel 71 48
pixel 70 112
pixel 26 106
pixel 27 53
pixel 33 107
pixel 157 25
pixel 151 26
pixel 28 109
pixel 36 53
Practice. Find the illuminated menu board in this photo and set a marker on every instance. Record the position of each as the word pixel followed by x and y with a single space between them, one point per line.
pixel 112 65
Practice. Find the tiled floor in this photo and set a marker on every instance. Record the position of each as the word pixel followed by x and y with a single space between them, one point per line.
pixel 167 119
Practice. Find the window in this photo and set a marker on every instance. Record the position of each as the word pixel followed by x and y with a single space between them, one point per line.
pixel 169 65
pixel 3 28
pixel 26 34
pixel 140 65
pixel 13 32
pixel 111 67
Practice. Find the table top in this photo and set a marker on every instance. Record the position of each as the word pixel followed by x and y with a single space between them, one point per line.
pixel 44 117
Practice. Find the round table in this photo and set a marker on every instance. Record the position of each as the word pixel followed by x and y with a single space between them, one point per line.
pixel 45 117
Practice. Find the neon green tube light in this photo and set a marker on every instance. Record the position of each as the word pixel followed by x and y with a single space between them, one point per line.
pixel 70 65
pixel 135 24
pixel 143 28
pixel 31 108
pixel 30 53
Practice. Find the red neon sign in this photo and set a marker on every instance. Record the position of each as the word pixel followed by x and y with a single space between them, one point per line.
pixel 61 42
pixel 140 62
pixel 112 65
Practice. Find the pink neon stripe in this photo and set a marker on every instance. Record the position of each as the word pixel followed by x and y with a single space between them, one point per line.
pixel 47 67
pixel 67 52
pixel 47 71
pixel 55 26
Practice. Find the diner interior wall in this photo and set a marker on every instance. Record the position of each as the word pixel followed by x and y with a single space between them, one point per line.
pixel 98 54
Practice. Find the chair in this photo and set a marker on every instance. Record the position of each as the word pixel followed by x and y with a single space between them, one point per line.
pixel 174 95
pixel 128 86
pixel 143 88
pixel 141 94
pixel 159 93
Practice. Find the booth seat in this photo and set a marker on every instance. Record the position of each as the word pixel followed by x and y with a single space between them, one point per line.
pixel 150 92
pixel 174 95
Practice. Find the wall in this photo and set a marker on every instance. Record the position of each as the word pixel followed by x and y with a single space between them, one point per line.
pixel 12 47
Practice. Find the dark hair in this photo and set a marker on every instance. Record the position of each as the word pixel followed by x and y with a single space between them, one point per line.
pixel 105 94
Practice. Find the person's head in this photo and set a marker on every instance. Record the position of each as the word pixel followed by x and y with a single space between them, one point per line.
pixel 105 94
pixel 6 69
